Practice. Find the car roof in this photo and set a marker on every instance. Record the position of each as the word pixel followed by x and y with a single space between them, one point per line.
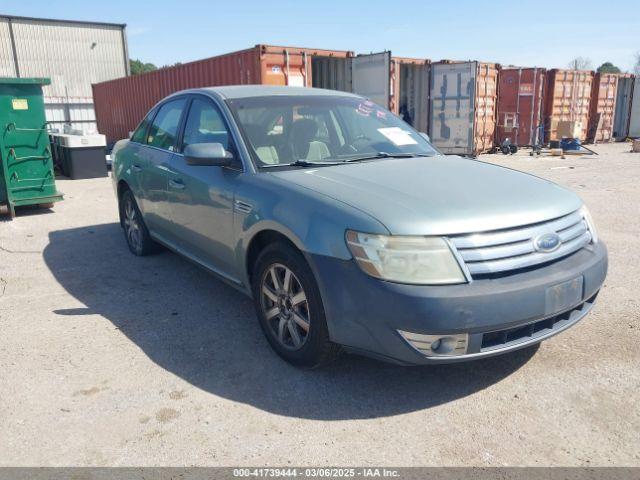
pixel 245 91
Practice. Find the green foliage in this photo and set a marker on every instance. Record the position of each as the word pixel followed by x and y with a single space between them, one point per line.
pixel 138 67
pixel 608 67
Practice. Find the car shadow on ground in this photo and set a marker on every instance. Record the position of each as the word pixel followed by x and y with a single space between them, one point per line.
pixel 205 332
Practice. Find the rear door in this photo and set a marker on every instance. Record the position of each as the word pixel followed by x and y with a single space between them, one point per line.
pixel 371 77
pixel 151 162
pixel 451 119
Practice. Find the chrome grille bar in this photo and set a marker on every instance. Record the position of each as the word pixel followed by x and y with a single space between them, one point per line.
pixel 515 235
pixel 504 250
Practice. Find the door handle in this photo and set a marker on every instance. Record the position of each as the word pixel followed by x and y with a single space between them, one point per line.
pixel 136 168
pixel 177 184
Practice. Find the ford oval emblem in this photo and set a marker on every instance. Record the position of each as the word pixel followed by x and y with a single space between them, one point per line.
pixel 547 242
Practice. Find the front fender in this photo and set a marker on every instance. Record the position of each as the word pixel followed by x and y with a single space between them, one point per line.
pixel 313 222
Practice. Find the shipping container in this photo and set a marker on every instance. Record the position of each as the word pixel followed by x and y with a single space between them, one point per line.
pixel 121 103
pixel 623 106
pixel 567 99
pixel 74 54
pixel 603 107
pixel 634 120
pixel 410 86
pixel 462 112
pixel 520 96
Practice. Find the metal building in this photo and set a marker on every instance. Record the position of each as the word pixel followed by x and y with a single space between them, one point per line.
pixel 74 54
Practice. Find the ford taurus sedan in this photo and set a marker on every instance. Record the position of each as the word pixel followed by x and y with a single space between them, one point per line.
pixel 350 231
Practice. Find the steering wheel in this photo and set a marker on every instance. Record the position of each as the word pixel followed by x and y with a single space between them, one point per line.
pixel 358 142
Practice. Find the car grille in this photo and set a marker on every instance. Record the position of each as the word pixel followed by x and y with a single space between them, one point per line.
pixel 513 249
pixel 504 338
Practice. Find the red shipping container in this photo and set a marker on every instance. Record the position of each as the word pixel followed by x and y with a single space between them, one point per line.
pixel 520 96
pixel 567 98
pixel 603 107
pixel 121 104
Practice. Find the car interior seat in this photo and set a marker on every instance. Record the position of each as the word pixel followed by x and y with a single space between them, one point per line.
pixel 260 141
pixel 303 133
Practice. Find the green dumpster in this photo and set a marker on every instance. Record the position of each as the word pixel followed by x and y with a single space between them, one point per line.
pixel 26 166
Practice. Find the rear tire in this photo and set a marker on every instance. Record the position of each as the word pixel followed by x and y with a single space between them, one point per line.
pixel 289 307
pixel 135 231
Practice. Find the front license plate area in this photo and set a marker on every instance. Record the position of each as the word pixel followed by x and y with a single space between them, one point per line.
pixel 563 295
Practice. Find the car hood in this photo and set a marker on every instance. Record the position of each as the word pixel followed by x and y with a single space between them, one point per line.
pixel 441 195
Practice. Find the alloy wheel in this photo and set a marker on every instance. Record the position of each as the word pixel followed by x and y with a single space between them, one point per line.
pixel 285 306
pixel 132 225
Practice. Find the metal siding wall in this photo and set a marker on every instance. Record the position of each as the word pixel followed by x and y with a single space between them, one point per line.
pixel 73 56
pixel 7 65
pixel 66 53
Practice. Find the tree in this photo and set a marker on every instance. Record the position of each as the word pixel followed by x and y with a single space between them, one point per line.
pixel 137 67
pixel 580 63
pixel 608 67
pixel 177 64
pixel 636 67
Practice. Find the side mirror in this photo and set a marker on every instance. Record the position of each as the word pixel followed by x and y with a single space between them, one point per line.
pixel 425 136
pixel 207 155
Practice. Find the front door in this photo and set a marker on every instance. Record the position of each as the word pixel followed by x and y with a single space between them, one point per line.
pixel 201 197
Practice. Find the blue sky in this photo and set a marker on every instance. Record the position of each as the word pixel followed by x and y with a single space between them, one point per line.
pixel 529 33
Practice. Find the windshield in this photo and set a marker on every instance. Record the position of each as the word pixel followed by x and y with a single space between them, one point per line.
pixel 281 130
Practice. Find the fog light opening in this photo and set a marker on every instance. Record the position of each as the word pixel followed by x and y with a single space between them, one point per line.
pixel 437 345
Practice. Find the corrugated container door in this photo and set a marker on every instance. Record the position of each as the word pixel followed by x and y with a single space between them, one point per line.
pixel 568 99
pixel 451 119
pixel 285 66
pixel 623 107
pixel 370 76
pixel 519 105
pixel 603 104
pixel 485 107
pixel 634 121
pixel 410 78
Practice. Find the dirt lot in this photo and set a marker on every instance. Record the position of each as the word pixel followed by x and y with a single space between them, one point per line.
pixel 109 359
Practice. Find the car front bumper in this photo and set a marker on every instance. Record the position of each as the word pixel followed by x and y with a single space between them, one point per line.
pixel 495 315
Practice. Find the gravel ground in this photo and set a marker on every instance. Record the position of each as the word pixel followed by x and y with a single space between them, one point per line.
pixel 109 359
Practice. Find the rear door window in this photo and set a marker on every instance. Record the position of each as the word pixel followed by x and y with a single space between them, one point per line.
pixel 164 129
pixel 140 134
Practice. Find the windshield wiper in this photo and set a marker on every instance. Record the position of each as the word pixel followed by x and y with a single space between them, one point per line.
pixel 373 156
pixel 299 163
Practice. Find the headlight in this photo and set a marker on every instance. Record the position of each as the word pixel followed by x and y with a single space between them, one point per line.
pixel 416 260
pixel 584 211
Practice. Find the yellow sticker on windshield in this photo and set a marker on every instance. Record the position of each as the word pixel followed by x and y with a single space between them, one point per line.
pixel 20 104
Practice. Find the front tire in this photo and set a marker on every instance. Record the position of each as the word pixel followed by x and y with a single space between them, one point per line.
pixel 135 231
pixel 290 309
